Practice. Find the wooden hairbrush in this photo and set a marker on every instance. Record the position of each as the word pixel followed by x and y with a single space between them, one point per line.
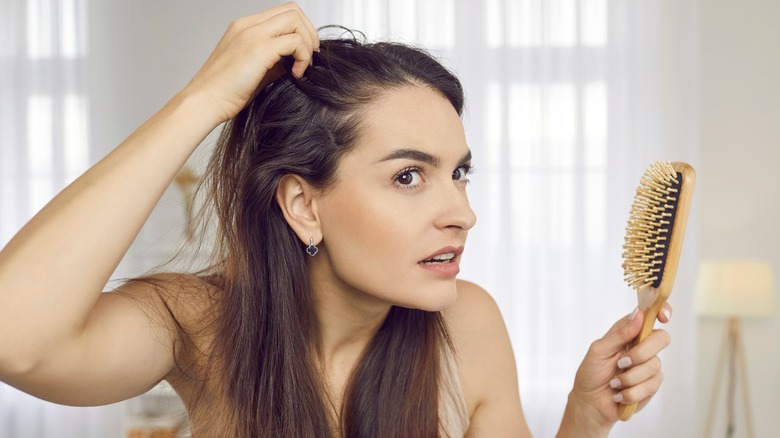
pixel 654 239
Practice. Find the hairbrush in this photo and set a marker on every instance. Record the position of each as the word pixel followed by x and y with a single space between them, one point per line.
pixel 654 239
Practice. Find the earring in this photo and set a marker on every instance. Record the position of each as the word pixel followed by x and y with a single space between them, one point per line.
pixel 312 249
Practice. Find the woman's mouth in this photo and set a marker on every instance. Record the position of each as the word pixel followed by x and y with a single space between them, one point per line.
pixel 443 263
pixel 439 259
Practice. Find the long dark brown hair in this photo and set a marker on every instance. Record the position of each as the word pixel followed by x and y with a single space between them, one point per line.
pixel 266 334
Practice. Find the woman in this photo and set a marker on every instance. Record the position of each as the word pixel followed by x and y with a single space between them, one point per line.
pixel 331 305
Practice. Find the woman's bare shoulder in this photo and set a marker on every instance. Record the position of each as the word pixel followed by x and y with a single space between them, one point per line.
pixel 474 311
pixel 485 358
pixel 186 304
pixel 473 322
pixel 187 297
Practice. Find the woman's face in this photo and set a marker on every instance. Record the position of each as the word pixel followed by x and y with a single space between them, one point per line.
pixel 400 199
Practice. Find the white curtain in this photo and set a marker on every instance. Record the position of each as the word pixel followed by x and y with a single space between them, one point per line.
pixel 43 146
pixel 568 101
pixel 43 121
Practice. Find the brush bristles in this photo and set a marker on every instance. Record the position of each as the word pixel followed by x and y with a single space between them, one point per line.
pixel 649 225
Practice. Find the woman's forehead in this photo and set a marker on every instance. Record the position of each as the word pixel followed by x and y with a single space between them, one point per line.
pixel 411 118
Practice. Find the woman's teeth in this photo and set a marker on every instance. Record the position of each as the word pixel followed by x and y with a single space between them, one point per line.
pixel 441 258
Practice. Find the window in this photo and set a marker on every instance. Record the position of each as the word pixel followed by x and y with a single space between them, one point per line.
pixel 44 114
pixel 535 76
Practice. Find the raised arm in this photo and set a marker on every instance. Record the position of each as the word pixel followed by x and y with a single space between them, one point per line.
pixel 54 322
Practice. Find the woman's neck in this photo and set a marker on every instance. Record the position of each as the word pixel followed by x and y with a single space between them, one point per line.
pixel 348 318
pixel 346 326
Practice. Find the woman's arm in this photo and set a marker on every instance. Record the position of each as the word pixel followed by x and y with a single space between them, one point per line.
pixel 490 374
pixel 53 271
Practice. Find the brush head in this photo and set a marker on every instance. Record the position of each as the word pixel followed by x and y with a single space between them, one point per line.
pixel 650 225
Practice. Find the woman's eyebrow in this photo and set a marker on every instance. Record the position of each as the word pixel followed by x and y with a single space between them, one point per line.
pixel 413 154
pixel 466 158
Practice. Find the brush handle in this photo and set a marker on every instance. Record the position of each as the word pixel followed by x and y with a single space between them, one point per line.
pixel 651 301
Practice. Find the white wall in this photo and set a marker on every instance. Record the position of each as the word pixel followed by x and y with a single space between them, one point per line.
pixel 140 54
pixel 737 193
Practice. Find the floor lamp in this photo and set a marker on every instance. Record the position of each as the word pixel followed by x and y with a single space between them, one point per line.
pixel 733 289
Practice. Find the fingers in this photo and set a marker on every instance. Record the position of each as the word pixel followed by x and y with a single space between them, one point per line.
pixel 623 332
pixel 642 375
pixel 637 375
pixel 638 370
pixel 645 350
pixel 248 57
pixel 292 43
pixel 279 22
pixel 665 314
pixel 307 28
pixel 293 34
pixel 244 23
pixel 642 391
pixel 626 329
pixel 290 10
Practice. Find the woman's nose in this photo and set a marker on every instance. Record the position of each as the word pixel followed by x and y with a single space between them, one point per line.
pixel 455 210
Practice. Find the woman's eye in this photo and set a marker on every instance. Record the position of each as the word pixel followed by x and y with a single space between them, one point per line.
pixel 461 173
pixel 409 178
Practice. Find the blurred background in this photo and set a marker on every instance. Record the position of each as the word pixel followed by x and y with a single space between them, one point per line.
pixel 568 102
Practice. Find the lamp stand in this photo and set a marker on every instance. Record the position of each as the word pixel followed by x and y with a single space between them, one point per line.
pixel 733 347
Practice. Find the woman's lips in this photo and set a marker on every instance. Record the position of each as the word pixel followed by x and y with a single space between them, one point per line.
pixel 447 270
pixel 444 262
pixel 447 249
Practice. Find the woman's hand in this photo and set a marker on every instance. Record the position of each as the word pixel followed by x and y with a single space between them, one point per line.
pixel 247 58
pixel 610 375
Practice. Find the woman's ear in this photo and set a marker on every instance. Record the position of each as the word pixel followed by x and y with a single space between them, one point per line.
pixel 298 202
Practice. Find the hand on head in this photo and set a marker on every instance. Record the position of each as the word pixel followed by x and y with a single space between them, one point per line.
pixel 247 57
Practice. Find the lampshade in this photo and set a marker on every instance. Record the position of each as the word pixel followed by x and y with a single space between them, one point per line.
pixel 739 288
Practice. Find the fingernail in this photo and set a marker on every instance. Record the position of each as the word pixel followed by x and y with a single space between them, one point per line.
pixel 618 398
pixel 614 383
pixel 624 362
pixel 668 314
pixel 633 314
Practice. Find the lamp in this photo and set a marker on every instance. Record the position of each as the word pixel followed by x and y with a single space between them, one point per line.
pixel 733 289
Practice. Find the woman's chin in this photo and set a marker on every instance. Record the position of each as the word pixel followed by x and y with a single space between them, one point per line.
pixel 433 299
